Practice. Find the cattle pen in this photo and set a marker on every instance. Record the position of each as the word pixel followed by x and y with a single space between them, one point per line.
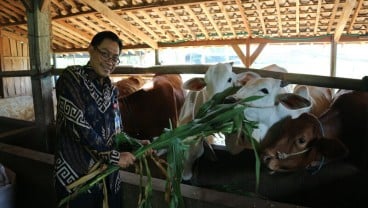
pixel 31 157
pixel 33 33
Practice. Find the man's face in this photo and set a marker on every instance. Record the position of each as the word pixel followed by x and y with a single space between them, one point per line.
pixel 104 57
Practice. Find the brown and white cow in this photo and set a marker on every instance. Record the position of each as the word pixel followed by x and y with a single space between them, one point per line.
pixel 308 141
pixel 147 112
pixel 320 97
pixel 273 106
pixel 130 85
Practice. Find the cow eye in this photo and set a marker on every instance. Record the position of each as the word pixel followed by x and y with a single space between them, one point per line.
pixel 300 141
pixel 229 80
pixel 264 90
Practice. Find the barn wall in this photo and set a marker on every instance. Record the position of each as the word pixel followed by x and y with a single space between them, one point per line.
pixel 14 57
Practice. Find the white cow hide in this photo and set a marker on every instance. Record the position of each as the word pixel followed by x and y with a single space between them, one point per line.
pixel 217 78
pixel 268 110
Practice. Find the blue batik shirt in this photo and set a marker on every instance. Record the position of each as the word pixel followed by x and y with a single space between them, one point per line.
pixel 86 125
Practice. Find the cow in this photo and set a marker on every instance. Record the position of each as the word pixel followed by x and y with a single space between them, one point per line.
pixel 273 106
pixel 217 78
pixel 311 142
pixel 147 112
pixel 320 97
pixel 130 85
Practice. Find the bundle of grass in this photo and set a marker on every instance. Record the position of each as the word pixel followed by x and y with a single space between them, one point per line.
pixel 214 116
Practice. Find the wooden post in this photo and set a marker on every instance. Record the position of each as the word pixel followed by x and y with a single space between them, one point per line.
pixel 247 53
pixel 157 57
pixel 39 26
pixel 1 66
pixel 333 57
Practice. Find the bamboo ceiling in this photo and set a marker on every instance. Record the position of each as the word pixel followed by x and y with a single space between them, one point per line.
pixel 159 23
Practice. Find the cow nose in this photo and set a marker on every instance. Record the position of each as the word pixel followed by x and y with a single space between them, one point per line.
pixel 229 99
pixel 266 158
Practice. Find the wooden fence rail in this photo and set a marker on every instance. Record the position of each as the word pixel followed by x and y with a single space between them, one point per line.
pixel 293 78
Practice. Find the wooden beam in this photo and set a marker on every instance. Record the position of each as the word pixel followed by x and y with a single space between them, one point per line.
pixel 196 20
pixel 332 16
pixel 244 17
pixel 39 36
pixel 315 30
pixel 279 22
pixel 260 16
pixel 240 54
pixel 353 19
pixel 228 20
pixel 153 24
pixel 179 18
pixel 73 31
pixel 348 9
pixel 319 40
pixel 5 33
pixel 117 20
pixel 293 78
pixel 333 58
pixel 44 5
pixel 297 16
pixel 204 195
pixel 256 53
pixel 172 27
pixel 209 17
pixel 27 153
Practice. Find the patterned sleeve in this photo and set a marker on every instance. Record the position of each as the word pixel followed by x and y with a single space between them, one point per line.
pixel 71 110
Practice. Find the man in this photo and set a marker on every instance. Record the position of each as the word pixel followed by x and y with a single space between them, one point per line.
pixel 87 120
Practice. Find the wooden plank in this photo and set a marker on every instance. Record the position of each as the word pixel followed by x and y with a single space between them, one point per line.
pixel 347 10
pixel 292 78
pixel 1 66
pixel 27 153
pixel 6 46
pixel 116 19
pixel 16 131
pixel 13 47
pixel 192 192
pixel 206 195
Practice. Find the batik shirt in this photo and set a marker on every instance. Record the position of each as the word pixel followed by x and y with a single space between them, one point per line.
pixel 86 110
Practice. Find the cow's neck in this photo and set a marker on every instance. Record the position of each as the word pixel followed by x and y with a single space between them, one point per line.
pixel 331 124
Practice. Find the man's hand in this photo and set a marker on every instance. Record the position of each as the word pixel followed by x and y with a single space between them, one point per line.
pixel 126 159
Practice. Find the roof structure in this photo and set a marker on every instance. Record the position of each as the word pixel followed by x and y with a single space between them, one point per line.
pixel 170 23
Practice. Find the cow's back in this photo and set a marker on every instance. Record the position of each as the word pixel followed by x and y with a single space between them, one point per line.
pixel 353 110
pixel 147 112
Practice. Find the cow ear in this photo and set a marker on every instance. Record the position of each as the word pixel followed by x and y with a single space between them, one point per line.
pixel 194 84
pixel 293 104
pixel 303 91
pixel 331 148
pixel 244 77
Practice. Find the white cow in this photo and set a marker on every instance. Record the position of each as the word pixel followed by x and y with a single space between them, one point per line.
pixel 271 108
pixel 217 78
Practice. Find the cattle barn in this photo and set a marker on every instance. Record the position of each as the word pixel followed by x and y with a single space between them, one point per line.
pixel 35 34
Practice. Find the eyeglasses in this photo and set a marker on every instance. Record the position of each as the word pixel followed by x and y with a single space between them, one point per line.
pixel 106 56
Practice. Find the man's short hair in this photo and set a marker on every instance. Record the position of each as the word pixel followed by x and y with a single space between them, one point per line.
pixel 99 37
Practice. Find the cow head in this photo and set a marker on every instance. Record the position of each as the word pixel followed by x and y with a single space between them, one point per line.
pixel 273 106
pixel 129 85
pixel 299 144
pixel 217 78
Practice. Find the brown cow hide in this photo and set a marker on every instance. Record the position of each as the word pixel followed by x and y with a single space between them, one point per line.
pixel 147 112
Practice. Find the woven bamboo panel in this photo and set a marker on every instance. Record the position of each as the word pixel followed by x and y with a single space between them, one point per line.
pixel 148 22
